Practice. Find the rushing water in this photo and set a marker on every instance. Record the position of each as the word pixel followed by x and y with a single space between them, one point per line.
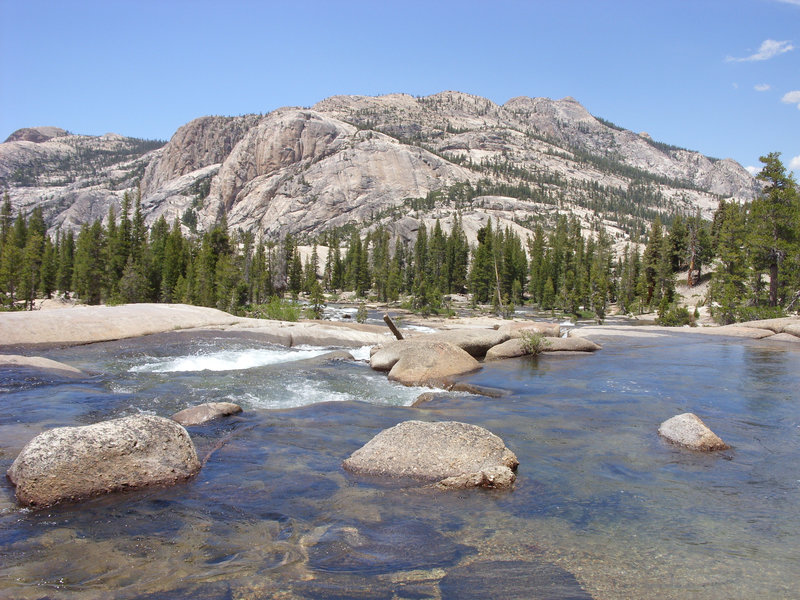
pixel 602 507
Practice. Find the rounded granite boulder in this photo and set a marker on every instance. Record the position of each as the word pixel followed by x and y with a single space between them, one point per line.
pixel 689 431
pixel 454 454
pixel 68 464
pixel 423 362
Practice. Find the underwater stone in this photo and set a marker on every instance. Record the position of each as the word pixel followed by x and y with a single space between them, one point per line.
pixel 74 463
pixel 688 431
pixel 202 413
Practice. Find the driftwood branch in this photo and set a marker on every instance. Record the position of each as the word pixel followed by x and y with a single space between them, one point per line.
pixel 391 325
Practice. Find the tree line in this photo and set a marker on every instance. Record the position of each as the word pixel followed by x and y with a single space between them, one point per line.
pixel 754 249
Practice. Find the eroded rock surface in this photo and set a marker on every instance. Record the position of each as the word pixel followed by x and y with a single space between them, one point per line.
pixel 689 431
pixel 476 342
pixel 73 463
pixel 423 362
pixel 457 455
pixel 197 415
pixel 516 329
pixel 515 347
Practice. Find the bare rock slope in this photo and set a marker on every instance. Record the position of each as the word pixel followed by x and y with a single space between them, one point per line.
pixel 395 160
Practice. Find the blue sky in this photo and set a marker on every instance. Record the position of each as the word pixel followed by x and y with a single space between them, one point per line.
pixel 721 77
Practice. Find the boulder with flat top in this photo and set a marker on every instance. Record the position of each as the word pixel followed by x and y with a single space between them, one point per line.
pixel 450 453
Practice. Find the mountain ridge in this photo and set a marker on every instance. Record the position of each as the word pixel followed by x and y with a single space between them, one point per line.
pixel 359 160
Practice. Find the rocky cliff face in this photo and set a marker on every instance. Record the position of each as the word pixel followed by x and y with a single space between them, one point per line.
pixel 367 160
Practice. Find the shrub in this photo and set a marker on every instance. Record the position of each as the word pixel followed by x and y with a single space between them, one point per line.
pixel 533 342
pixel 676 316
pixel 277 309
pixel 361 314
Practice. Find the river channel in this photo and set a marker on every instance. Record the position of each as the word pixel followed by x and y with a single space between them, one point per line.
pixel 602 507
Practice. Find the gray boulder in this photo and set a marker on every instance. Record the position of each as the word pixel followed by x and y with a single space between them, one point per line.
pixel 515 347
pixel 74 463
pixel 423 362
pixel 688 431
pixel 571 344
pixel 508 349
pixel 456 455
pixel 476 342
pixel 516 328
pixel 197 415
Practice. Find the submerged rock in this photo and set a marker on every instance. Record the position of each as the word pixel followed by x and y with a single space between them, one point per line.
pixel 457 455
pixel 423 362
pixel 74 463
pixel 39 362
pixel 202 413
pixel 525 579
pixel 688 431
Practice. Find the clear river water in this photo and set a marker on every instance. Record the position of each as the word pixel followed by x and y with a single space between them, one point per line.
pixel 602 507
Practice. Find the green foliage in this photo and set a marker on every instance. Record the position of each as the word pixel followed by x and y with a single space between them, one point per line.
pixel 534 342
pixel 276 309
pixel 676 316
pixel 361 313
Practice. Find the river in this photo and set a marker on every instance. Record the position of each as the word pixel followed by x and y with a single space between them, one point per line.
pixel 602 508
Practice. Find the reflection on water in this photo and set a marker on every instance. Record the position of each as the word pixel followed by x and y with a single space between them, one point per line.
pixel 602 507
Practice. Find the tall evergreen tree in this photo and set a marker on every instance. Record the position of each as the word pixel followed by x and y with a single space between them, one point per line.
pixel 773 223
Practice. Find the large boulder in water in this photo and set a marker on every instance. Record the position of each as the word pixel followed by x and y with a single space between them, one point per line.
pixel 689 431
pixel 423 362
pixel 202 413
pixel 515 347
pixel 73 463
pixel 476 342
pixel 456 455
pixel 515 329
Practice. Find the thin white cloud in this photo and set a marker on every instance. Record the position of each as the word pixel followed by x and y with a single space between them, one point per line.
pixel 762 87
pixel 792 98
pixel 795 2
pixel 768 49
pixel 752 170
pixel 794 164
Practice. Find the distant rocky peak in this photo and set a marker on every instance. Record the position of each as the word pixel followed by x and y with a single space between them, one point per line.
pixel 36 134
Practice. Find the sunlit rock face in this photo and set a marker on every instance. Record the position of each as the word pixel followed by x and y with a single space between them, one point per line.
pixel 368 161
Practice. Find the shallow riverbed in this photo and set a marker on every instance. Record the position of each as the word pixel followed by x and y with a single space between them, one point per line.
pixel 602 507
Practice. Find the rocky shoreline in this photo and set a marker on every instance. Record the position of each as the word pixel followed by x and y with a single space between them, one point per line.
pixel 426 359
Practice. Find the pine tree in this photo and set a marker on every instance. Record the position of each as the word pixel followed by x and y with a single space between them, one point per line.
pixel 49 268
pixel 66 255
pixel 482 274
pixel 6 219
pixel 295 273
pixel 89 263
pixel 728 283
pixel 773 224
pixel 11 261
pixel 652 263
